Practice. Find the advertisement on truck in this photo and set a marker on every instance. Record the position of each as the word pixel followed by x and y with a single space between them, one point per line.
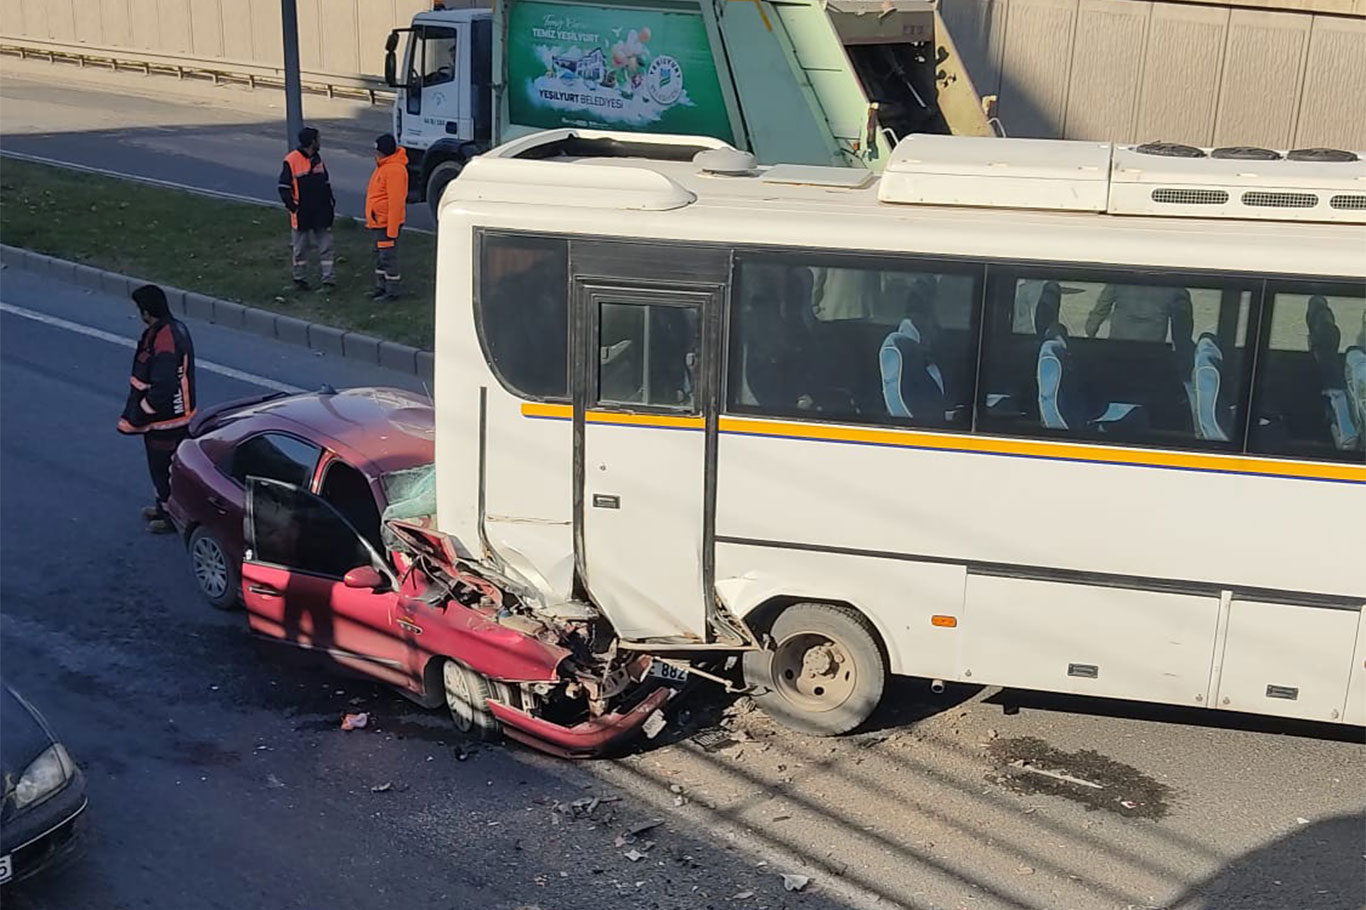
pixel 613 68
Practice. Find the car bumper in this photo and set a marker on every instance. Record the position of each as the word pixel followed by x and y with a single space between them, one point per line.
pixel 47 833
pixel 590 738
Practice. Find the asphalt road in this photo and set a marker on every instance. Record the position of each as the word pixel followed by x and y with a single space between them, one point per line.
pixel 225 138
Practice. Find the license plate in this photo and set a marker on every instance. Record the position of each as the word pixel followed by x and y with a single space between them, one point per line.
pixel 668 672
pixel 6 869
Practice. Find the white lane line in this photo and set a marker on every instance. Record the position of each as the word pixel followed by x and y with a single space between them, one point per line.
pixel 166 184
pixel 120 340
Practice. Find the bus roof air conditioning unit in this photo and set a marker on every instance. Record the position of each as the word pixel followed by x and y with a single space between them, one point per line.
pixel 1246 183
pixel 999 173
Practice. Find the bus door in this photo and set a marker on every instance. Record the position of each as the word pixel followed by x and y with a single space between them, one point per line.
pixel 643 401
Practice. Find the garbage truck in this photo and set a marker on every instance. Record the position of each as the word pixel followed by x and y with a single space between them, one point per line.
pixel 815 82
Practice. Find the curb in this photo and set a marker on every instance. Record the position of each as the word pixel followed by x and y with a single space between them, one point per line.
pixel 315 336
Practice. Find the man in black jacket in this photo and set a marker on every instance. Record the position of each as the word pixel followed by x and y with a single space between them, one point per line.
pixel 161 397
pixel 307 194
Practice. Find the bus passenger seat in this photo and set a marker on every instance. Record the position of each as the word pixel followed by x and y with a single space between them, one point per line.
pixel 1204 388
pixel 1355 368
pixel 1324 338
pixel 1056 381
pixel 912 384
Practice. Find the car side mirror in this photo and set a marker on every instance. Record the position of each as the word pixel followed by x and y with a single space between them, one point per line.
pixel 391 61
pixel 365 577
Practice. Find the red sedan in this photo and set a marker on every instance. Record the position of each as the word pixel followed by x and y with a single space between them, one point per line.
pixel 282 501
pixel 336 446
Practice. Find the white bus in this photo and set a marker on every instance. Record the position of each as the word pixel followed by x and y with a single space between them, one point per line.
pixel 1049 415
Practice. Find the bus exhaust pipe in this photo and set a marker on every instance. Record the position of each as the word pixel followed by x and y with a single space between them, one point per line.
pixel 937 686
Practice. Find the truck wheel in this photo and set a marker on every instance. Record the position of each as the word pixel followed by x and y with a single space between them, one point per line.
pixel 218 580
pixel 441 175
pixel 466 696
pixel 823 672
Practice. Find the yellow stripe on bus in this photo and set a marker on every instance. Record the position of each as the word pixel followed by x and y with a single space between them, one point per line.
pixel 986 445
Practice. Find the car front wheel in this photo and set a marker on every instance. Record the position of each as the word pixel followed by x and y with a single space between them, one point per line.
pixel 219 581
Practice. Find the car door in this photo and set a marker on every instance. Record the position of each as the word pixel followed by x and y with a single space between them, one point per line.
pixel 272 454
pixel 299 551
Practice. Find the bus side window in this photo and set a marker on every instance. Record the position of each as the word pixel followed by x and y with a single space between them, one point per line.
pixel 1310 396
pixel 1138 358
pixel 837 340
pixel 523 310
pixel 647 355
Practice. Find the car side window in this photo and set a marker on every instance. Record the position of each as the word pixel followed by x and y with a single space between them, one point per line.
pixel 275 456
pixel 347 490
pixel 299 531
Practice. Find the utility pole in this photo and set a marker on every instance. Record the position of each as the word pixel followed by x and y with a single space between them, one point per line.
pixel 294 105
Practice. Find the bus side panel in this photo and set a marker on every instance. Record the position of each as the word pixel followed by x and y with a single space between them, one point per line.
pixel 1287 660
pixel 1356 687
pixel 529 493
pixel 900 598
pixel 1088 640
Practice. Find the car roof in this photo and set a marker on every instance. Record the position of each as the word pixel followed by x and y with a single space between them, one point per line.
pixel 376 429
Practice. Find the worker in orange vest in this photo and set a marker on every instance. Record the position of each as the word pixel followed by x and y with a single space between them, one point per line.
pixel 307 194
pixel 386 206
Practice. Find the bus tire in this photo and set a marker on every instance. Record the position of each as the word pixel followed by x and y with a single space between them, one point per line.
pixel 822 672
pixel 441 175
pixel 467 694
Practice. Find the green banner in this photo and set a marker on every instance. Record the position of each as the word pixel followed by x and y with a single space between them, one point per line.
pixel 617 68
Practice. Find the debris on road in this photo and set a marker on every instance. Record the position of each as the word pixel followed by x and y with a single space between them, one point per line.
pixel 382 788
pixel 742 895
pixel 355 721
pixel 794 882
pixel 654 724
pixel 634 856
pixel 274 782
pixel 1056 775
pixel 713 740
pixel 645 826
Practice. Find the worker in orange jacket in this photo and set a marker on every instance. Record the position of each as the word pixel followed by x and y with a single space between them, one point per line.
pixel 386 205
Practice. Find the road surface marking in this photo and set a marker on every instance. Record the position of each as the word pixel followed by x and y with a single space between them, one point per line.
pixel 122 341
pixel 165 184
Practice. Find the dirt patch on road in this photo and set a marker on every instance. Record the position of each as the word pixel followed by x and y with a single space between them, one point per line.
pixel 1031 766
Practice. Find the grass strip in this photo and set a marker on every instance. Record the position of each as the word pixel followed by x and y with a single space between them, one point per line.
pixel 231 250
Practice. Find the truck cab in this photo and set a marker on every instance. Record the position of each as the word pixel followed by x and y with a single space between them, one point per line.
pixel 443 98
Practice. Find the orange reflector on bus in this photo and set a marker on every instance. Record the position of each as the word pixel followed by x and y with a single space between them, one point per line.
pixel 944 622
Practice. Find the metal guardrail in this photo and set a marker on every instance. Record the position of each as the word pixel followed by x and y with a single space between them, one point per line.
pixel 184 65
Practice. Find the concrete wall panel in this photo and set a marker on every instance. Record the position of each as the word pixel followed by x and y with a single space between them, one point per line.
pixel 1107 61
pixel 1263 72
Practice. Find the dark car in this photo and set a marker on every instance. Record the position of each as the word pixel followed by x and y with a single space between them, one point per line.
pixel 44 791
pixel 338 446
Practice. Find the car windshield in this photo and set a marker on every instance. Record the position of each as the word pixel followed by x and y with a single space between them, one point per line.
pixel 411 494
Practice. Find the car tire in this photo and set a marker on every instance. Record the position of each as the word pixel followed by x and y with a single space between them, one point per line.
pixel 218 580
pixel 467 694
pixel 823 671
pixel 441 175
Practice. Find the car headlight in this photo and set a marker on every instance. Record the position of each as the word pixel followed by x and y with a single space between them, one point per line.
pixel 44 776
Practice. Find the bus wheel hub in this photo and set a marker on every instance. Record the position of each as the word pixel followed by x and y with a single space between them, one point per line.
pixel 814 671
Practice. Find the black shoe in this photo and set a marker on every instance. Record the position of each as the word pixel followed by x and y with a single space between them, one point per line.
pixel 330 284
pixel 301 285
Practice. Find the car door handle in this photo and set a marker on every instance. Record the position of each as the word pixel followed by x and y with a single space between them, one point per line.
pixel 218 505
pixel 606 501
pixel 263 590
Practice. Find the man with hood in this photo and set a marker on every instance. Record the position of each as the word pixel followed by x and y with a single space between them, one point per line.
pixel 161 397
pixel 306 192
pixel 386 205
